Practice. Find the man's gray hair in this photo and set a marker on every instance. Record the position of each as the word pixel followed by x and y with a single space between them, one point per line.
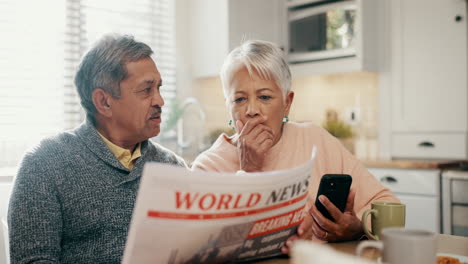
pixel 103 66
pixel 261 57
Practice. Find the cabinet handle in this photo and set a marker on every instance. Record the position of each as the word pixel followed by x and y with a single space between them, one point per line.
pixel 426 144
pixel 389 179
pixel 458 18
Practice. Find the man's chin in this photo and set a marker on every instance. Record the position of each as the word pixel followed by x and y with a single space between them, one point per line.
pixel 155 132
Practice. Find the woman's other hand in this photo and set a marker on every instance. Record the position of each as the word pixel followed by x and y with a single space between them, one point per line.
pixel 253 142
pixel 347 225
pixel 304 231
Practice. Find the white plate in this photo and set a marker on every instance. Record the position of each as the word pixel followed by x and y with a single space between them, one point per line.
pixel 459 257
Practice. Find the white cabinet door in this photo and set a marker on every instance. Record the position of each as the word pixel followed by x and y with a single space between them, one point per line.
pixel 429 60
pixel 419 190
pixel 421 212
pixel 218 26
pixel 209 35
pixel 256 19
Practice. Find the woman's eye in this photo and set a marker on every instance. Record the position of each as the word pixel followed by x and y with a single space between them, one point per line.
pixel 265 97
pixel 240 99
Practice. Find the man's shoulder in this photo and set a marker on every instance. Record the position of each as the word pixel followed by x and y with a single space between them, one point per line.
pixel 159 153
pixel 59 142
pixel 52 149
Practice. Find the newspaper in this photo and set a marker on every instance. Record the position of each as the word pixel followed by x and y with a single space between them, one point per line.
pixel 184 216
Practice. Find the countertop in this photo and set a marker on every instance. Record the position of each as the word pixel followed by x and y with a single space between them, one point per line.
pixel 445 244
pixel 415 164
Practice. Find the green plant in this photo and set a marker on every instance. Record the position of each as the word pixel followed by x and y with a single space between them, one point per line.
pixel 336 127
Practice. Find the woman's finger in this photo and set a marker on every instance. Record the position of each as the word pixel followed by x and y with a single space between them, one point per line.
pixel 258 136
pixel 321 220
pixel 350 201
pixel 259 129
pixel 318 232
pixel 251 124
pixel 265 146
pixel 332 209
pixel 260 139
pixel 286 248
pixel 239 126
pixel 305 226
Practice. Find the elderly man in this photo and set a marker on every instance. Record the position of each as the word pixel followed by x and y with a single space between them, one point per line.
pixel 74 193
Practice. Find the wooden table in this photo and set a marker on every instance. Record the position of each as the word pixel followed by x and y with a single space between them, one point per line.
pixel 445 244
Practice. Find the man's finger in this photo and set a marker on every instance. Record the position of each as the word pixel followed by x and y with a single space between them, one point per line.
pixel 350 201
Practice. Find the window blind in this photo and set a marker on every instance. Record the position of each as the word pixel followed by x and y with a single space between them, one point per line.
pixel 42 43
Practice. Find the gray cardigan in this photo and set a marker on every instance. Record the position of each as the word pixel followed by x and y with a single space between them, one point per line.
pixel 72 200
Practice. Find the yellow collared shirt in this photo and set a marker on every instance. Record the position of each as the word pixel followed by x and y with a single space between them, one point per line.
pixel 125 157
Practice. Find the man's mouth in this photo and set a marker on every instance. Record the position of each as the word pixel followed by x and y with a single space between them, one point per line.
pixel 155 117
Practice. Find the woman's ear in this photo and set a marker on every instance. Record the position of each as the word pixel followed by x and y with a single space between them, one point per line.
pixel 102 102
pixel 288 102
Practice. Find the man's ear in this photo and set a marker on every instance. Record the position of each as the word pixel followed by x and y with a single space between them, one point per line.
pixel 289 100
pixel 102 102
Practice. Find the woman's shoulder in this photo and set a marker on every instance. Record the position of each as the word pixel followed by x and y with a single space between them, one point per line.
pixel 219 157
pixel 305 128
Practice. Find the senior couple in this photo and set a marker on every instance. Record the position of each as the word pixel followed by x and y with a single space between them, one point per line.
pixel 74 193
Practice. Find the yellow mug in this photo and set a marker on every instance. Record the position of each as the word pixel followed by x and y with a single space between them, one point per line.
pixel 383 215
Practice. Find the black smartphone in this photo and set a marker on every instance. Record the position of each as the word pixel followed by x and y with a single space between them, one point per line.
pixel 336 188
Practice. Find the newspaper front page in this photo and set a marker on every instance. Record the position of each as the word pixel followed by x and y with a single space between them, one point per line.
pixel 184 216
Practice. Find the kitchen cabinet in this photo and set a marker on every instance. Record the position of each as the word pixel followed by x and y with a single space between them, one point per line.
pixel 218 26
pixel 362 55
pixel 455 202
pixel 418 189
pixel 429 84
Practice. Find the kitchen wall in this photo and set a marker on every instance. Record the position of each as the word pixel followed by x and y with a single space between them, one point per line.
pixel 314 95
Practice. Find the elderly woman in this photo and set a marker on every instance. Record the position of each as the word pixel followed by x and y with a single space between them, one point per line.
pixel 257 87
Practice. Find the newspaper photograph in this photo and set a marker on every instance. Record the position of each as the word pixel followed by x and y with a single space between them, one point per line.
pixel 184 216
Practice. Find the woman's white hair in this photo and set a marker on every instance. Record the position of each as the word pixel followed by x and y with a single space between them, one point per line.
pixel 258 57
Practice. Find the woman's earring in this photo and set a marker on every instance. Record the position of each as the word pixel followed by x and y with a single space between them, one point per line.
pixel 285 119
pixel 230 124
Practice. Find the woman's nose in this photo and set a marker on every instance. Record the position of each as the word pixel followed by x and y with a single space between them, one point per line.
pixel 252 109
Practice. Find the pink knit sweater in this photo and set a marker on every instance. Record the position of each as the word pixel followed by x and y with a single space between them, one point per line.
pixel 293 149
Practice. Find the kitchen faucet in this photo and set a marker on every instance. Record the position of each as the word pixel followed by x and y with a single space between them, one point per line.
pixel 181 142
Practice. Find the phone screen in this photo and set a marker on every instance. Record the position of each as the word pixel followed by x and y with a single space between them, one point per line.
pixel 336 188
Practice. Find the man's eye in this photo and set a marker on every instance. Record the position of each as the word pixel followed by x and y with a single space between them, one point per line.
pixel 240 99
pixel 265 97
pixel 147 90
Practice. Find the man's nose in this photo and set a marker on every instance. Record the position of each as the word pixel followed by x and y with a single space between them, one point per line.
pixel 157 99
pixel 252 109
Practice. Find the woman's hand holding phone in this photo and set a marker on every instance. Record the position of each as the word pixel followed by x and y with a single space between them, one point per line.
pixel 347 226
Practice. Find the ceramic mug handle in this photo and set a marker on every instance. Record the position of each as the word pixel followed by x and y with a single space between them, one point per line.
pixel 370 244
pixel 364 223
